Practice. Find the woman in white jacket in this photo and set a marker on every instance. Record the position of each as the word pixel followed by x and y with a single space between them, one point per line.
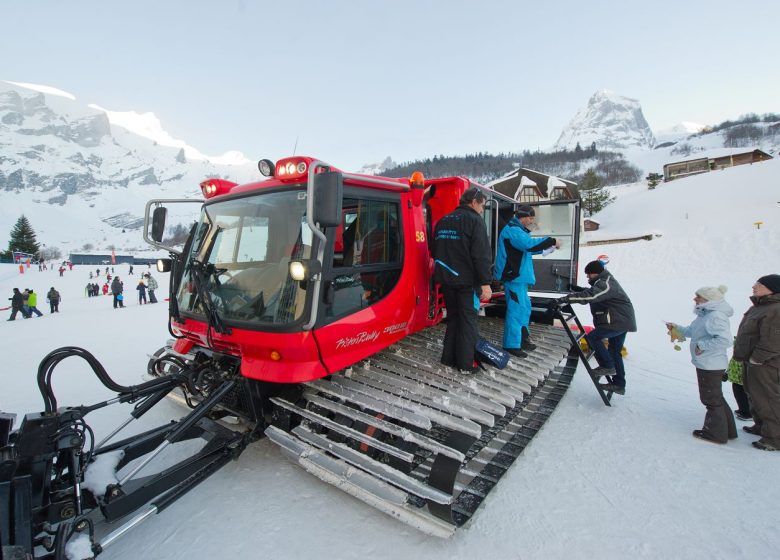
pixel 710 337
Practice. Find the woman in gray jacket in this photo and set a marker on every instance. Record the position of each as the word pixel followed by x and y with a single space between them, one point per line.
pixel 710 337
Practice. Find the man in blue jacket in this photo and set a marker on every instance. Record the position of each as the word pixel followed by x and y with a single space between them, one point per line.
pixel 514 267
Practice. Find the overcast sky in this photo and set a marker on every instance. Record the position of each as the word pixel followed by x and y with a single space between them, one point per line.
pixel 356 81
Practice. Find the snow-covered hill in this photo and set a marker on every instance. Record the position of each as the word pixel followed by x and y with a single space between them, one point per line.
pixel 595 482
pixel 612 121
pixel 83 174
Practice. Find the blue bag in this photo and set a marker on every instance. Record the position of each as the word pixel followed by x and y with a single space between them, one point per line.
pixel 492 354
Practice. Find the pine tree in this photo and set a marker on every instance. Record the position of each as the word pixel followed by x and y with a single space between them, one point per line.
pixel 594 196
pixel 23 238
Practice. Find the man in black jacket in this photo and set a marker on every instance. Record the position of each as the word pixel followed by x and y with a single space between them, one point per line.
pixel 613 317
pixel 16 304
pixel 462 267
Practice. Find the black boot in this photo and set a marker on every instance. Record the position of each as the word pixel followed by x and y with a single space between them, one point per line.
pixel 527 345
pixel 516 352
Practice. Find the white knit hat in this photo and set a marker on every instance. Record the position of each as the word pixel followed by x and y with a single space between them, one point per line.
pixel 710 293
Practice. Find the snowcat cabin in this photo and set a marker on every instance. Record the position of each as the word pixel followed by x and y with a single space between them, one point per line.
pixel 304 273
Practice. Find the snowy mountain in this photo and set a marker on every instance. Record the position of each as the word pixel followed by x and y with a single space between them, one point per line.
pixel 377 168
pixel 82 174
pixel 612 121
pixel 678 132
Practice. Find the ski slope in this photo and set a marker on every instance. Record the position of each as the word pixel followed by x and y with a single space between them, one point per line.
pixel 596 482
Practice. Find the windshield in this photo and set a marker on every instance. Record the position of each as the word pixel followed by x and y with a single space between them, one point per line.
pixel 245 246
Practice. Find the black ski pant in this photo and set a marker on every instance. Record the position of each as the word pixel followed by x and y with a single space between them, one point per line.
pixel 762 384
pixel 743 403
pixel 152 297
pixel 461 336
pixel 719 424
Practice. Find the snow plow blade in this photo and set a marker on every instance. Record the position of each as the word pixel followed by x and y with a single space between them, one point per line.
pixel 421 441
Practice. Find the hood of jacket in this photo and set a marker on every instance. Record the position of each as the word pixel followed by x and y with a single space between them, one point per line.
pixel 722 306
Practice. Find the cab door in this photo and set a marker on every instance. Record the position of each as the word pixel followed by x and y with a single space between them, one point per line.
pixel 559 219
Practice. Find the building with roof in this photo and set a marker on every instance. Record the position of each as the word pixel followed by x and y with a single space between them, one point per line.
pixel 526 185
pixel 712 160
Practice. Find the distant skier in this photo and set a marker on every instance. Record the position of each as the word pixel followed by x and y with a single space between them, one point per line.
pixel 141 287
pixel 16 305
pixel 152 284
pixel 131 270
pixel 54 300
pixel 32 302
pixel 116 290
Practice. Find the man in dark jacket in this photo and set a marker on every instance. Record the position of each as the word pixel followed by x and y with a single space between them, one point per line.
pixel 116 290
pixel 613 317
pixel 16 304
pixel 462 267
pixel 54 300
pixel 758 347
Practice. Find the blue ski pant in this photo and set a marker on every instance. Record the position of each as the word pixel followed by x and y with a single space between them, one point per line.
pixel 518 313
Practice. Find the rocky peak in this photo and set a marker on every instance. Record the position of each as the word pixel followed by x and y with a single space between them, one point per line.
pixel 610 120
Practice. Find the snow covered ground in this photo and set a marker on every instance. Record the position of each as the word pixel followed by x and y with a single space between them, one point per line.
pixel 596 482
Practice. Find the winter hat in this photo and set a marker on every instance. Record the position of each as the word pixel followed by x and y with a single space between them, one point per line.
pixel 771 281
pixel 710 293
pixel 594 267
pixel 525 211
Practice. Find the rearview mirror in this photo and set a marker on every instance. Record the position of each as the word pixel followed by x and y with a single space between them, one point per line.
pixel 159 216
pixel 328 191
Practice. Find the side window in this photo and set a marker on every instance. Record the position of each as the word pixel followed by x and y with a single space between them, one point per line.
pixel 367 255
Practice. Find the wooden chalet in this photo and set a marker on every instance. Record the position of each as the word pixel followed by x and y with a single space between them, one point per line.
pixel 712 160
pixel 527 185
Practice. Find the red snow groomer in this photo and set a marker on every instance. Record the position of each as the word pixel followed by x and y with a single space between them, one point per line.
pixel 304 305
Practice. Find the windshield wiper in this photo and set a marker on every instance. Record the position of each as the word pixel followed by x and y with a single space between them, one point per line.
pixel 200 275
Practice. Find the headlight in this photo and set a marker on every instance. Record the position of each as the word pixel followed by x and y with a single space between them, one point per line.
pixel 297 271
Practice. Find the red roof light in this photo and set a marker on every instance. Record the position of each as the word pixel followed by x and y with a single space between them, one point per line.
pixel 213 187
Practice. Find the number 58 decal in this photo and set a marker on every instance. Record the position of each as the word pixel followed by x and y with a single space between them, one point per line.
pixel 419 236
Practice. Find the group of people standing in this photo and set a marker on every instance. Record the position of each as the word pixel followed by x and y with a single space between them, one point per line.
pixel 26 303
pixel 756 354
pixel 463 268
pixel 118 288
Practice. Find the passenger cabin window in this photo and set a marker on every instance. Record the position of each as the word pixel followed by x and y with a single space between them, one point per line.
pixel 366 255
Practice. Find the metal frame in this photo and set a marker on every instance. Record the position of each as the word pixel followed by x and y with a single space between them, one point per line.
pixel 159 202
